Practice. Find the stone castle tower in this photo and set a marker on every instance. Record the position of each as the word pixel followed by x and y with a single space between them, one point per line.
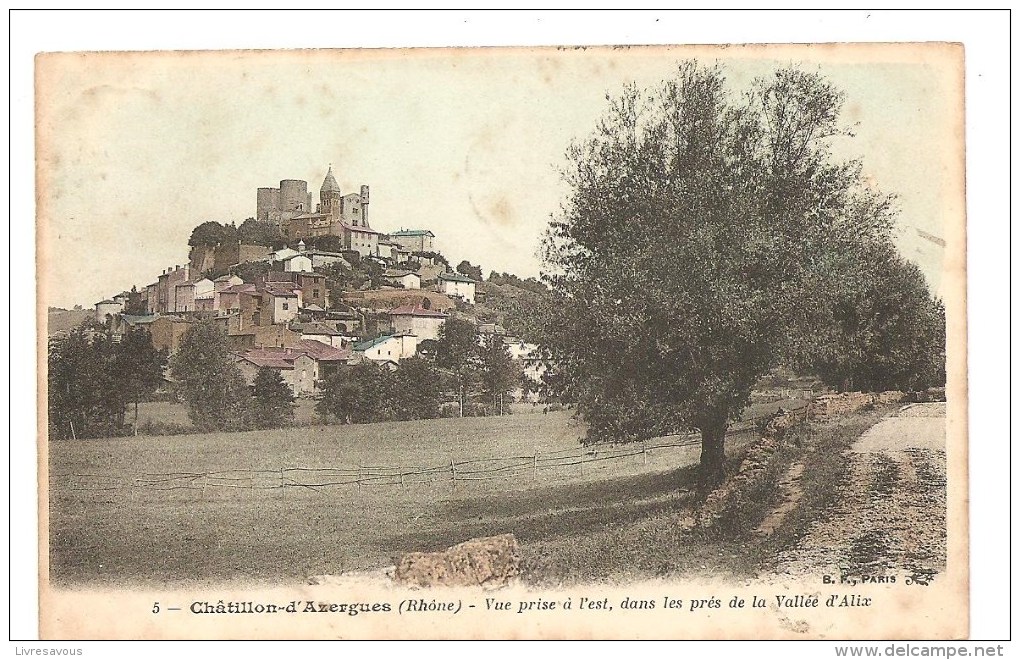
pixel 346 216
pixel 278 205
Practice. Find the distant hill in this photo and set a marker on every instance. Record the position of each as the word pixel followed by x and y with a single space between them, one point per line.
pixel 62 320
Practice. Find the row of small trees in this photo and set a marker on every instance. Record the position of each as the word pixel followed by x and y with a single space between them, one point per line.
pixel 93 381
pixel 369 393
pixel 456 364
pixel 96 382
pixel 219 399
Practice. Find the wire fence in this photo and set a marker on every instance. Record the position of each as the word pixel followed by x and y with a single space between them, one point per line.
pixel 544 466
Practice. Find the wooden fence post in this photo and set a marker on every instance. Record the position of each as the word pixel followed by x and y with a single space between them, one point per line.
pixel 534 475
pixel 453 473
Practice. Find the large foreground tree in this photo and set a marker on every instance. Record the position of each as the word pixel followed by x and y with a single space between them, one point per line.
pixel 684 258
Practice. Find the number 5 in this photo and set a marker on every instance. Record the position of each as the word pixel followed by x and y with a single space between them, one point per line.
pixel 155 607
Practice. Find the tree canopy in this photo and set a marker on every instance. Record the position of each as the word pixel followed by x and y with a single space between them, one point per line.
pixel 698 235
pixel 467 268
pixel 326 242
pixel 499 373
pixel 255 232
pixel 879 331
pixel 210 383
pixel 457 344
pixel 138 367
pixel 273 404
pixel 366 392
pixel 212 233
pixel 92 379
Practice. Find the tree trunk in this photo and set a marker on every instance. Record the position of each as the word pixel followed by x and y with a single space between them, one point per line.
pixel 713 455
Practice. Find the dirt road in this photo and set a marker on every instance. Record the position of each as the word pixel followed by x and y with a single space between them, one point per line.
pixel 889 516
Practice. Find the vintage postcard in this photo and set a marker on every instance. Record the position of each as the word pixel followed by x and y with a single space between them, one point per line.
pixel 503 343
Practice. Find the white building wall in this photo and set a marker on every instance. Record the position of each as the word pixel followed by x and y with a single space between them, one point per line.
pixel 284 309
pixel 104 308
pixel 408 345
pixel 463 290
pixel 298 264
pixel 394 348
pixel 424 327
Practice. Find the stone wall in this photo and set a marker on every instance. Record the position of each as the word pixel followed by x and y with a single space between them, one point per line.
pixel 756 461
pixel 229 254
pixel 752 468
pixel 829 405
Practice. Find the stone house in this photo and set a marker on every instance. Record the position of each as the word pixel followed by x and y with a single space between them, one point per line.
pixel 406 279
pixel 456 285
pixel 167 333
pixel 301 366
pixel 416 320
pixel 321 332
pixel 388 348
pixel 414 240
pixel 296 368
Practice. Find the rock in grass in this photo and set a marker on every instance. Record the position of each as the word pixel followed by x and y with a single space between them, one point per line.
pixel 490 561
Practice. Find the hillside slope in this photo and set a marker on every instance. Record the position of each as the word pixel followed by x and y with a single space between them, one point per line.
pixel 522 312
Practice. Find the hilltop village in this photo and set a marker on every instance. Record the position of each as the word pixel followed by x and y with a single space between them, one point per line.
pixel 301 290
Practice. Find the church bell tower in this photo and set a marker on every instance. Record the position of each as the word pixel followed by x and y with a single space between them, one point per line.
pixel 330 199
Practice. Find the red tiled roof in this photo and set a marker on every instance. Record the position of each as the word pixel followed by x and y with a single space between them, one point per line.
pixel 278 359
pixel 286 289
pixel 239 288
pixel 363 230
pixel 414 310
pixel 314 328
pixel 323 352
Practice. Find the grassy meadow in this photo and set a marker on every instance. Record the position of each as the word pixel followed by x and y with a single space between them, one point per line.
pixel 104 531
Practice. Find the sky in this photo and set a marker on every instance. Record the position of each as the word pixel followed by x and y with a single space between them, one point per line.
pixel 135 149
